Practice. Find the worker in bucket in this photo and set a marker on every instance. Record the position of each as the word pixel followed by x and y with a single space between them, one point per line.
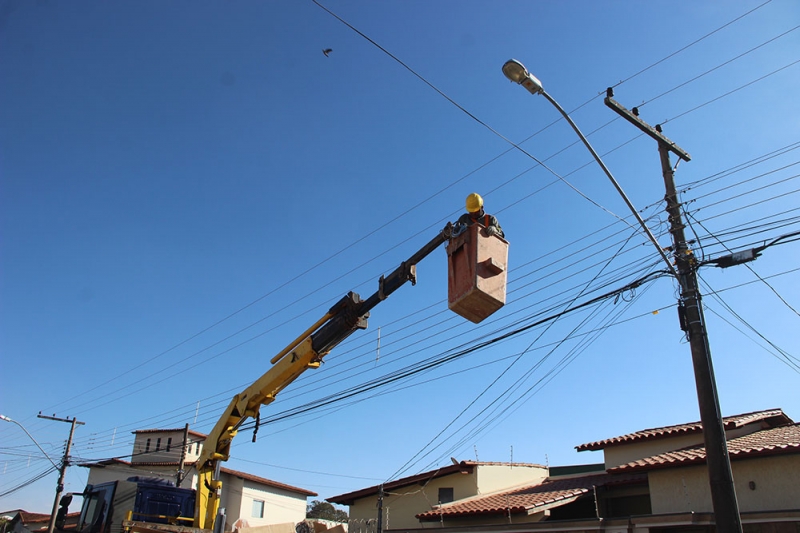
pixel 475 213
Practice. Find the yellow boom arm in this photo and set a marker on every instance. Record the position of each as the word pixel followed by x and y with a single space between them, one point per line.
pixel 349 314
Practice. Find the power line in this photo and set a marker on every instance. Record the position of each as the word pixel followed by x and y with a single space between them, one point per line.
pixel 709 71
pixel 789 357
pixel 765 76
pixel 690 45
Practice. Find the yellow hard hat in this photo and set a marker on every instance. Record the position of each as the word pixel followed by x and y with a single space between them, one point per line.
pixel 474 203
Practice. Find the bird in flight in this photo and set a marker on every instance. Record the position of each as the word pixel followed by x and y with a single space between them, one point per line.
pixel 327 51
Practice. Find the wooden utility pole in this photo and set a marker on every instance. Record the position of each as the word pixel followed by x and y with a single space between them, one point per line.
pixel 64 464
pixel 690 308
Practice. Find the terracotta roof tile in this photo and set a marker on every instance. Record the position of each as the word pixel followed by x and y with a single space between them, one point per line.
pixel 526 499
pixel 775 441
pixel 771 417
pixel 26 518
pixel 265 481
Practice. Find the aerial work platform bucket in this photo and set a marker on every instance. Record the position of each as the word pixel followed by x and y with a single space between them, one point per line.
pixel 477 273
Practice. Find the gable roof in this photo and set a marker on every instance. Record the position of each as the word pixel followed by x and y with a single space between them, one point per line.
pixel 775 441
pixel 768 418
pixel 27 517
pixel 36 518
pixel 265 481
pixel 237 473
pixel 463 467
pixel 546 495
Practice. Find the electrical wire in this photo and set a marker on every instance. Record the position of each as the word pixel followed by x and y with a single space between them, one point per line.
pixel 761 78
pixel 690 44
pixel 354 243
pixel 28 482
pixel 464 110
pixel 709 71
pixel 786 355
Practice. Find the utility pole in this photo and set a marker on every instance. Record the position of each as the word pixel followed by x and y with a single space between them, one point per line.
pixel 379 525
pixel 690 309
pixel 183 456
pixel 64 464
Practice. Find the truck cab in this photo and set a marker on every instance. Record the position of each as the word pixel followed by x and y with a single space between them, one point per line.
pixel 107 505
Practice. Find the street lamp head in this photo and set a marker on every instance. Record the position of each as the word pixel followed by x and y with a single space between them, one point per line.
pixel 516 72
pixel 4 417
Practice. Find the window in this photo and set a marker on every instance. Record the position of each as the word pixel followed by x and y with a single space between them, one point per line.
pixel 445 494
pixel 197 448
pixel 169 443
pixel 147 446
pixel 158 444
pixel 258 509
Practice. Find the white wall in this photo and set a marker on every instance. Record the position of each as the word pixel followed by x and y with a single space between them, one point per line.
pixel 279 506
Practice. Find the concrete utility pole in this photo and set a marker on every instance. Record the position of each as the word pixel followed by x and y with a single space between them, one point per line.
pixel 64 464
pixel 379 524
pixel 182 463
pixel 720 476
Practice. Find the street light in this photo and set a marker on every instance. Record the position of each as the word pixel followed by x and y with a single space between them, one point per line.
pixel 517 73
pixel 723 493
pixel 62 470
pixel 7 419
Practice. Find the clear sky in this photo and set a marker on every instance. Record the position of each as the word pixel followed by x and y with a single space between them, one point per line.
pixel 186 186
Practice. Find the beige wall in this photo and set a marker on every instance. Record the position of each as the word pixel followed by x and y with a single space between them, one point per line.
pixel 626 453
pixel 117 472
pixel 140 453
pixel 401 505
pixel 686 489
pixel 493 478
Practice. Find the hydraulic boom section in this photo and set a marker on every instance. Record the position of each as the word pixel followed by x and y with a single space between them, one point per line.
pixel 346 316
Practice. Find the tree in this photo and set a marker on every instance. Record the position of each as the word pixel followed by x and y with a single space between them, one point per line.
pixel 325 511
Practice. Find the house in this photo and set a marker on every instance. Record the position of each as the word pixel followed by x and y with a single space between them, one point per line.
pixel 249 501
pixel 654 479
pixel 405 498
pixel 21 521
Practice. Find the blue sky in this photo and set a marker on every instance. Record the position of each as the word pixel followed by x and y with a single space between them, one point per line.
pixel 186 186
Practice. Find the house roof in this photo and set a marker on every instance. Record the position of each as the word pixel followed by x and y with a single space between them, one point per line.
pixel 155 430
pixel 774 441
pixel 548 494
pixel 26 518
pixel 464 467
pixel 39 521
pixel 768 418
pixel 237 473
pixel 264 481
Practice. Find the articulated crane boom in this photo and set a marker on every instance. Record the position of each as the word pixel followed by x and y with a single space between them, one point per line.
pixel 347 315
